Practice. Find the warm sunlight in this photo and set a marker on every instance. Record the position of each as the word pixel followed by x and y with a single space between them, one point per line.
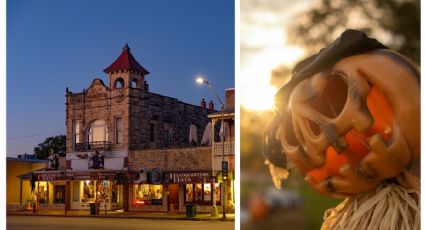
pixel 264 47
pixel 258 93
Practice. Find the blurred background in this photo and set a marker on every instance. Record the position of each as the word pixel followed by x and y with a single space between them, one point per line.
pixel 275 35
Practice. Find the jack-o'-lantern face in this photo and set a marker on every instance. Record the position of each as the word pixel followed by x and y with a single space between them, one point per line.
pixel 365 105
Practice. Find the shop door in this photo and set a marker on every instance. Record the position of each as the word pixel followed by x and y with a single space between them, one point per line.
pixel 173 197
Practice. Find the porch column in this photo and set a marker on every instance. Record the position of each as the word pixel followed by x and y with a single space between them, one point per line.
pixel 20 191
pixel 67 195
pixel 125 197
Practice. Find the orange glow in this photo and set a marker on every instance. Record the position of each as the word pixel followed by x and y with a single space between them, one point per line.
pixel 140 202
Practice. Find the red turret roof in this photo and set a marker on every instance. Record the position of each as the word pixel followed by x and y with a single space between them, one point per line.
pixel 126 61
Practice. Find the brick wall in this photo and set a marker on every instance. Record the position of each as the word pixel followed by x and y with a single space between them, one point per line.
pixel 230 98
pixel 183 159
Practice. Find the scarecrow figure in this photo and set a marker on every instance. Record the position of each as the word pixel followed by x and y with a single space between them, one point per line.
pixel 53 160
pixel 96 161
pixel 349 120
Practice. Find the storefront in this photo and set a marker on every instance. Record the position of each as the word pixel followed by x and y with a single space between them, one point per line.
pixel 174 191
pixel 196 188
pixel 75 190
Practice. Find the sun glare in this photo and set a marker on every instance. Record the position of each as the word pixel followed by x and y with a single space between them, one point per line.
pixel 264 47
pixel 257 93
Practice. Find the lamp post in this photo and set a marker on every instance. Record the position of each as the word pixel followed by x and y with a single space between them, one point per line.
pixel 201 80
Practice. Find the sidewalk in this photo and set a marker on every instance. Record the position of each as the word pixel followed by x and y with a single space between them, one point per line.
pixel 122 214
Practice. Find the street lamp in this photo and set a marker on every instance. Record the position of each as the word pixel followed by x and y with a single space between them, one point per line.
pixel 224 165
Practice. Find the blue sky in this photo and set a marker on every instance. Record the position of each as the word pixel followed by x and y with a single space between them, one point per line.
pixel 54 44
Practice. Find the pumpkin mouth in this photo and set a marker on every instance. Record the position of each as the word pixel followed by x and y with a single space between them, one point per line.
pixel 353 146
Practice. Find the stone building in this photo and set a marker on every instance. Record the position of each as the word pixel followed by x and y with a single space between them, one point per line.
pixel 131 149
pixel 124 115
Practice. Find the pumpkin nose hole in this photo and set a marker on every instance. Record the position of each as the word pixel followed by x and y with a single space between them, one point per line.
pixel 333 98
pixel 314 127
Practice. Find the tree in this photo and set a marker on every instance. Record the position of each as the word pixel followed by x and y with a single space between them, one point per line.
pixel 57 143
pixel 395 23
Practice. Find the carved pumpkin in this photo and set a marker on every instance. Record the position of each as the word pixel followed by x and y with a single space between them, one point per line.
pixel 363 111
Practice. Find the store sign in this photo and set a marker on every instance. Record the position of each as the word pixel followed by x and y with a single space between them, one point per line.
pixel 54 176
pixel 190 177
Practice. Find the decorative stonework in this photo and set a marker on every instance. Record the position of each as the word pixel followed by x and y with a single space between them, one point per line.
pixel 184 159
pixel 148 120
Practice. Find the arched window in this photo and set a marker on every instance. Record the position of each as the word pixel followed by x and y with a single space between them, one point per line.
pixel 134 84
pixel 98 131
pixel 119 83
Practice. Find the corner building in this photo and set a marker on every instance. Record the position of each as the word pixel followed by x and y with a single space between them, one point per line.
pixel 128 148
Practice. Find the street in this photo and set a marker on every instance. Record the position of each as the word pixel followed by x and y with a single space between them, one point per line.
pixel 73 223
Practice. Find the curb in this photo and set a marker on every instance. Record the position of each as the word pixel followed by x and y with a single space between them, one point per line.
pixel 127 217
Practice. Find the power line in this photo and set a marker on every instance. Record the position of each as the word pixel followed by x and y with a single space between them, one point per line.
pixel 34 135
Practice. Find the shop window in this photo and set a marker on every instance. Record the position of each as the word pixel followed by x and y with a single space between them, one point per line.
pixel 201 193
pixel 198 192
pixel 41 192
pixel 118 130
pixel 217 193
pixel 59 194
pixel 102 191
pixel 148 194
pixel 189 193
pixel 88 191
pixel 207 192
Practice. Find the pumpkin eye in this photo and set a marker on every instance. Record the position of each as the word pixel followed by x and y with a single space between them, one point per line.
pixel 333 96
pixel 289 131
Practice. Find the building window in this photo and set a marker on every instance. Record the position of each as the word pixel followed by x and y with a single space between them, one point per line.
pixel 166 134
pixel 134 84
pixel 152 132
pixel 59 194
pixel 201 193
pixel 98 131
pixel 148 194
pixel 119 83
pixel 76 132
pixel 118 130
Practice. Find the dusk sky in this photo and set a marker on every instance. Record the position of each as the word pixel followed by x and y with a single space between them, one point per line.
pixel 53 44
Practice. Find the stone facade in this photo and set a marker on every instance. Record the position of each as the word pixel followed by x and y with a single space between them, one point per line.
pixel 148 120
pixel 184 159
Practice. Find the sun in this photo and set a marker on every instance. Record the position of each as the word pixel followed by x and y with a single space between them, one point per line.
pixel 256 91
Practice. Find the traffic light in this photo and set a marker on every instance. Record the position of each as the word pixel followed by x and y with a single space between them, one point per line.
pixel 225 169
